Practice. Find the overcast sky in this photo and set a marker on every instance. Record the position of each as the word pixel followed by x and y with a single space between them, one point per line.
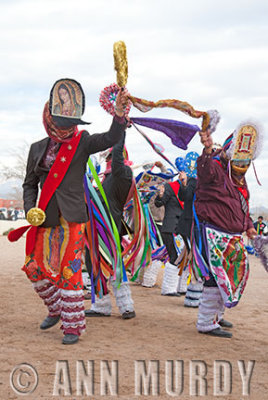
pixel 212 54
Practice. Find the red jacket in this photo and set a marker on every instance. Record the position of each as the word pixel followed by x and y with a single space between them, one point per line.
pixel 217 198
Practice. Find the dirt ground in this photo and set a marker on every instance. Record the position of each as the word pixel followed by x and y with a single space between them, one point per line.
pixel 163 330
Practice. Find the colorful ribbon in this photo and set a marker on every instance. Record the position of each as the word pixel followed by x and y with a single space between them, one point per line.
pixel 106 248
pixel 146 105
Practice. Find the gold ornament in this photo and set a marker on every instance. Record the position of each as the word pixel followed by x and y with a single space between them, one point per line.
pixel 35 216
pixel 120 63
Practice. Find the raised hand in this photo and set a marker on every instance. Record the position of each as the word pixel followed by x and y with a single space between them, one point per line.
pixel 121 102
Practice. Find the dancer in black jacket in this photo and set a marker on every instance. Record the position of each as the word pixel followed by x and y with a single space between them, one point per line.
pixel 117 185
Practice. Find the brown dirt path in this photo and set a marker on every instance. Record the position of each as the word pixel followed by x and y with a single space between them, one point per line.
pixel 163 330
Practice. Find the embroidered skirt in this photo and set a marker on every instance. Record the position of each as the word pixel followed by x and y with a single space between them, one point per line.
pixel 57 256
pixel 227 262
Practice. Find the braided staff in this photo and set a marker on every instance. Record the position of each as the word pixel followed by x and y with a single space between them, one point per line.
pixel 121 67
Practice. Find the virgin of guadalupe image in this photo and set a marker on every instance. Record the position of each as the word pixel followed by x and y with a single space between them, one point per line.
pixel 67 104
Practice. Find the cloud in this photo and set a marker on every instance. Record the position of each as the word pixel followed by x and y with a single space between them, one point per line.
pixel 210 54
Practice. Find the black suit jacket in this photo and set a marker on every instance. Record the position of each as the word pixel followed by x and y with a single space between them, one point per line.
pixel 173 209
pixel 186 194
pixel 68 199
pixel 118 183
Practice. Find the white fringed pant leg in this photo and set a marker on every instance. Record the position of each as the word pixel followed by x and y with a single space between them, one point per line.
pixel 170 279
pixel 211 305
pixel 103 305
pixel 193 294
pixel 123 297
pixel 150 275
pixel 51 296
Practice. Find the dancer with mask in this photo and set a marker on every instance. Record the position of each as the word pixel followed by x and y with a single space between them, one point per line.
pixel 55 243
pixel 222 208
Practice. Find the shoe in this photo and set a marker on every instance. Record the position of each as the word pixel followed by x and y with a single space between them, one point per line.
pixel 128 314
pixel 175 294
pixel 87 296
pixel 225 324
pixel 182 293
pixel 70 339
pixel 92 313
pixel 218 332
pixel 49 322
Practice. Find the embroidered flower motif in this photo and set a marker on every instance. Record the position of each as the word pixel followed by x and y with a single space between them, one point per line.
pixel 211 236
pixel 75 265
pixel 67 273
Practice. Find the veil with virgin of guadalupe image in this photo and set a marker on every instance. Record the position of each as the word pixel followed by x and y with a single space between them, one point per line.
pixel 67 103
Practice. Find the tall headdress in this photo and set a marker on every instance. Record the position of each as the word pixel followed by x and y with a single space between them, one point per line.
pixel 243 146
pixel 244 143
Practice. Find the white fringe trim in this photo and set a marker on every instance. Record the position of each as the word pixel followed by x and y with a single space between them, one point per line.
pixel 191 302
pixel 102 305
pixel 170 279
pixel 150 275
pixel 182 282
pixel 49 290
pixel 72 293
pixel 123 298
pixel 40 284
pixel 73 324
pixel 209 307
pixel 66 304
pixel 54 306
pixel 51 299
pixel 71 315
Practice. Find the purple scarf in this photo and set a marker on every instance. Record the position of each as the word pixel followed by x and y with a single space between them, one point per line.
pixel 179 132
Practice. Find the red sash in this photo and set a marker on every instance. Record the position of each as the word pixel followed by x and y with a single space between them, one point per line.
pixel 53 180
pixel 175 186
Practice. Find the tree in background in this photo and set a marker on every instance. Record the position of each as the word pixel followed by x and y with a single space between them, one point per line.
pixel 16 172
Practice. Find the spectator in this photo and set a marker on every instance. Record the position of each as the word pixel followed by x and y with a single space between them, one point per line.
pixel 260 226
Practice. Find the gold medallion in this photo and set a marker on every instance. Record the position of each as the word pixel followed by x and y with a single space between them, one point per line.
pixel 35 216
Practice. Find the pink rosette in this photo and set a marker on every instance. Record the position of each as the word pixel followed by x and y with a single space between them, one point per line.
pixel 108 99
